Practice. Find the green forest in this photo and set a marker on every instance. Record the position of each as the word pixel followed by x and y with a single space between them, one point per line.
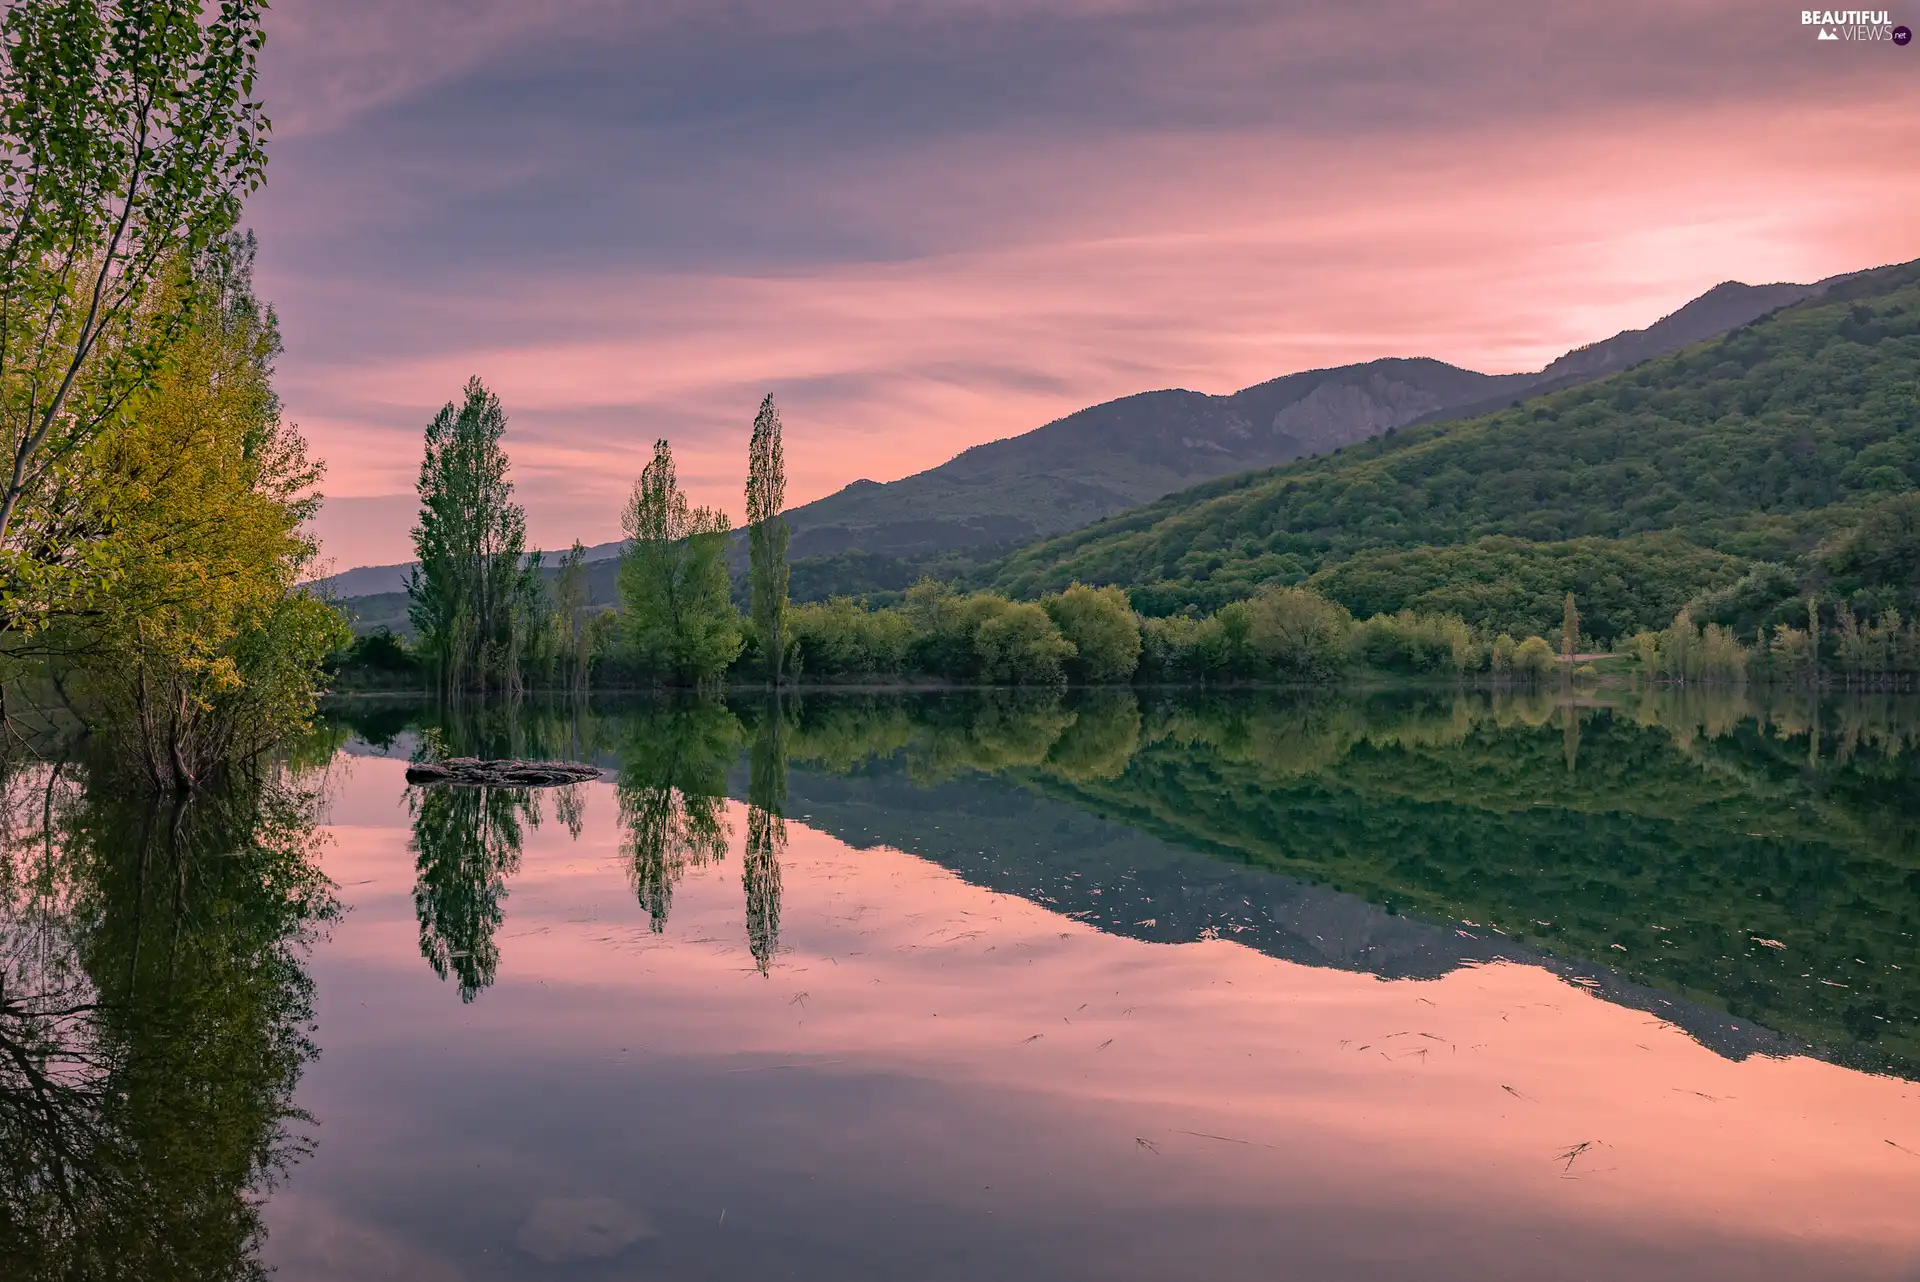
pixel 1759 451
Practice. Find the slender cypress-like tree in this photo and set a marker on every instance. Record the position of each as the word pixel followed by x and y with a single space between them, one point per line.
pixel 572 619
pixel 675 598
pixel 1569 631
pixel 476 592
pixel 767 537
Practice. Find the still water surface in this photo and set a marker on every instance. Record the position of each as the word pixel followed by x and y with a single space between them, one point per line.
pixel 1424 985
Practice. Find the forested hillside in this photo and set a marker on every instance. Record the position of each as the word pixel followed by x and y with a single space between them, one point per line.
pixel 1750 448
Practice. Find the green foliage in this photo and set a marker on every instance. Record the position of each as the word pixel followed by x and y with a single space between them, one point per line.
pixel 1533 660
pixel 1416 643
pixel 202 652
pixel 876 577
pixel 1503 584
pixel 381 651
pixel 1288 633
pixel 1685 652
pixel 1881 554
pixel 1182 648
pixel 1750 445
pixel 128 137
pixel 1019 644
pixel 679 621
pixel 572 620
pixel 156 1017
pixel 1103 630
pixel 475 598
pixel 767 538
pixel 1863 651
pixel 843 638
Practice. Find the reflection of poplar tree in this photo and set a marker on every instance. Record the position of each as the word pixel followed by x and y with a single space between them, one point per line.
pixel 672 793
pixel 466 843
pixel 570 804
pixel 766 836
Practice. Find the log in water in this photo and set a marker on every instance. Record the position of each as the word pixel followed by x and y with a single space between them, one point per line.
pixel 474 772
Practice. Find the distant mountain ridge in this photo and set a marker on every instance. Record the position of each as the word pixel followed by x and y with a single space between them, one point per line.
pixel 1729 460
pixel 1108 458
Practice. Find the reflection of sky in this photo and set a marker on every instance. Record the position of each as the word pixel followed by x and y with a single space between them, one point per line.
pixel 920 1089
pixel 924 226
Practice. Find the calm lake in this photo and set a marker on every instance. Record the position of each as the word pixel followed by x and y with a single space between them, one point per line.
pixel 1107 986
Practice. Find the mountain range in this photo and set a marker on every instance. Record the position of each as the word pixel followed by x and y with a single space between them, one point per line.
pixel 1728 467
pixel 1114 457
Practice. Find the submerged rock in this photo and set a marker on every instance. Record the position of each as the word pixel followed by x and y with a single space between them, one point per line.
pixel 473 772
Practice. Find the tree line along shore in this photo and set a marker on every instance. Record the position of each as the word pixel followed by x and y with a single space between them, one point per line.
pixel 488 620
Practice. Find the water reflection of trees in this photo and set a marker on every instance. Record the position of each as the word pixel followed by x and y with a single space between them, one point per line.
pixel 466 844
pixel 766 833
pixel 1720 809
pixel 672 790
pixel 154 1017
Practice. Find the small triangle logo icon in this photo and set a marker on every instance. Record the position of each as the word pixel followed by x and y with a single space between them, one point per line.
pixel 1827 35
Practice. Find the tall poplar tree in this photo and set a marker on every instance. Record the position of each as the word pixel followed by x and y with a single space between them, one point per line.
pixel 675 600
pixel 767 537
pixel 475 595
pixel 572 619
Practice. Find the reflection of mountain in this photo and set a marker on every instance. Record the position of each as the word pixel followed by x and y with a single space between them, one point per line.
pixel 1009 838
pixel 1663 845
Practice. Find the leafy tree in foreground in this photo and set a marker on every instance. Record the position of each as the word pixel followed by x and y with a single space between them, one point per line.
pixel 202 652
pixel 767 538
pixel 128 137
pixel 674 593
pixel 476 595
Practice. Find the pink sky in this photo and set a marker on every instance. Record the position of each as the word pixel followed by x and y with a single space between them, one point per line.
pixel 922 229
